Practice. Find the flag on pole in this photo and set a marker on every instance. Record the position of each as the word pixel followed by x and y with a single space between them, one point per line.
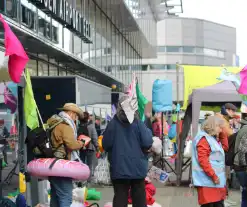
pixel 30 107
pixel 14 49
pixel 229 76
pixel 243 81
pixel 10 100
pixel 142 102
pixel 238 81
pixel 136 95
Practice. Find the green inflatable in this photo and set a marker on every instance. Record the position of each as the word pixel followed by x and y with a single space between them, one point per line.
pixel 93 195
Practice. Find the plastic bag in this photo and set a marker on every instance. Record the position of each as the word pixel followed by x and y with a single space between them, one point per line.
pixel 188 149
pixel 102 172
pixel 168 148
pixel 157 145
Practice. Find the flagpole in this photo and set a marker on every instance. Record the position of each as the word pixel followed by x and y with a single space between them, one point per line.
pixel 36 105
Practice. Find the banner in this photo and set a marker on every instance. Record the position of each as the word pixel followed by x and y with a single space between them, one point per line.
pixel 200 77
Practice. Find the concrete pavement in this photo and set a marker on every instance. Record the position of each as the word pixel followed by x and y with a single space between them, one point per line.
pixel 168 196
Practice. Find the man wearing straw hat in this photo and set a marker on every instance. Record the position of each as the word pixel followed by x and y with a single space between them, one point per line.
pixel 64 140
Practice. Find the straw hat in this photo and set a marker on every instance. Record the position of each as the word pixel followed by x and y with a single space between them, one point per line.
pixel 72 107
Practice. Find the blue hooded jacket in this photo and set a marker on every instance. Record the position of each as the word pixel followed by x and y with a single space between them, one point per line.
pixel 127 146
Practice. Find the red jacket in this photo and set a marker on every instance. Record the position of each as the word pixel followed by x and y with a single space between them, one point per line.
pixel 150 192
pixel 205 194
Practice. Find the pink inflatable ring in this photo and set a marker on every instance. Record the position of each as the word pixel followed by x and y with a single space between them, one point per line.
pixel 61 168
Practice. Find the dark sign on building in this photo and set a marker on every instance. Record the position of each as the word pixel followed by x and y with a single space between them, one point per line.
pixel 29 19
pixel 63 12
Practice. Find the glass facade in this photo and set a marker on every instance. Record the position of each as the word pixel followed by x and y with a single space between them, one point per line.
pixel 191 50
pixel 109 52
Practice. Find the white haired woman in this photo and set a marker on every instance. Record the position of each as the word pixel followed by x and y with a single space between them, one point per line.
pixel 208 163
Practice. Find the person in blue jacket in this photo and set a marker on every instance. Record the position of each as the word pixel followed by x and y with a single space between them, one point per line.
pixel 127 145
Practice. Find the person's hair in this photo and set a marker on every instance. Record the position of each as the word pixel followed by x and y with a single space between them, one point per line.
pixel 210 124
pixel 85 117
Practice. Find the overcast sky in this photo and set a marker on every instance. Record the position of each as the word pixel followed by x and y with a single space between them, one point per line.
pixel 228 12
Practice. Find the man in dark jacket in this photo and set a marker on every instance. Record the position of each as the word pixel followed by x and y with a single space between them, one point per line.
pixel 127 145
pixel 240 160
pixel 87 155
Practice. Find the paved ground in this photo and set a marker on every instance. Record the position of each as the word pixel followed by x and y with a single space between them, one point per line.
pixel 167 196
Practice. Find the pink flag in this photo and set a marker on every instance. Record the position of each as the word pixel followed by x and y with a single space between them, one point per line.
pixel 14 49
pixel 243 81
pixel 132 87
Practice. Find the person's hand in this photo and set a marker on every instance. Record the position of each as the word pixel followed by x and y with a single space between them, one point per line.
pixel 217 181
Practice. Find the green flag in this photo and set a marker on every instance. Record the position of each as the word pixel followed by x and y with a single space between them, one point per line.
pixel 30 107
pixel 142 101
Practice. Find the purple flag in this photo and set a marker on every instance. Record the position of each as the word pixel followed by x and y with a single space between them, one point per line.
pixel 10 100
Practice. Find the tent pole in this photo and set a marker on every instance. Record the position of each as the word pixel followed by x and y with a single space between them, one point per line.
pixel 179 158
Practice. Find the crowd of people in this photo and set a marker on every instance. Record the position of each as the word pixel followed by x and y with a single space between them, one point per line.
pixel 218 149
pixel 223 136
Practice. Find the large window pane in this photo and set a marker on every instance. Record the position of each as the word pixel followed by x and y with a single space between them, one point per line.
pixel 173 49
pixel 171 66
pixel 98 48
pixel 221 54
pixel 32 66
pixel 210 52
pixel 104 45
pixel 199 50
pixel 92 22
pixel 85 46
pixel 188 49
pixel 161 48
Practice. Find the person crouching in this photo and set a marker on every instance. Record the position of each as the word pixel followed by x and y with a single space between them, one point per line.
pixel 208 163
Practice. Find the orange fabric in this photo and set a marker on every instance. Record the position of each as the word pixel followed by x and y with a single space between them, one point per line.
pixel 206 194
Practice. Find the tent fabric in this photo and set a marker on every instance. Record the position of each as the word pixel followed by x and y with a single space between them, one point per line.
pixel 221 92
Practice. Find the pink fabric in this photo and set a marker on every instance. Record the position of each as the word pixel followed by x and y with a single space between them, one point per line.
pixel 13 130
pixel 62 168
pixel 243 81
pixel 14 49
pixel 132 87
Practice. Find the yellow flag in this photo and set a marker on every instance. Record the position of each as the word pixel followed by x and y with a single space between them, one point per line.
pixel 30 107
pixel 200 77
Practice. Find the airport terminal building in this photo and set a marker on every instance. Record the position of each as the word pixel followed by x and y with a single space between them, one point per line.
pixel 100 40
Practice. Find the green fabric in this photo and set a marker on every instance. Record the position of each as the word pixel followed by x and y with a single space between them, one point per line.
pixel 93 195
pixel 30 107
pixel 4 164
pixel 14 194
pixel 142 101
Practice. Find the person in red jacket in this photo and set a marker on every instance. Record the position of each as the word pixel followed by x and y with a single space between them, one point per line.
pixel 207 195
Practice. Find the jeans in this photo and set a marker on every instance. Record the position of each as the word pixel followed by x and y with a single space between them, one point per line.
pixel 215 204
pixel 87 157
pixel 61 191
pixel 242 178
pixel 121 192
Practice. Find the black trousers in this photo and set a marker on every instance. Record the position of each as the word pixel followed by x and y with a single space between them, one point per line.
pixel 216 204
pixel 121 192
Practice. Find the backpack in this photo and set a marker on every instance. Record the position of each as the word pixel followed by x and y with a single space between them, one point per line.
pixel 39 141
pixel 230 154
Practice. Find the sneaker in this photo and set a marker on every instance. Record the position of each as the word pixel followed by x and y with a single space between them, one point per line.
pixel 229 202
